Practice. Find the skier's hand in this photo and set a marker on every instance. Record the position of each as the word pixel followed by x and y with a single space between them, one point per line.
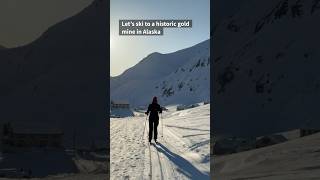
pixel 146 113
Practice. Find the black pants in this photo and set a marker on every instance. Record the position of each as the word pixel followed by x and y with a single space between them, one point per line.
pixel 153 126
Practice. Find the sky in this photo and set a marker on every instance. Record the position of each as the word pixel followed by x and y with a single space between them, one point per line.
pixel 23 21
pixel 126 51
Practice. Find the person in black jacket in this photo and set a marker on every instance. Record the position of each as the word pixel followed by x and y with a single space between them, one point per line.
pixel 154 108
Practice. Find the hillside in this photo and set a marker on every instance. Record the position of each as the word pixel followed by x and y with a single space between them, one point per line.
pixel 181 77
pixel 60 78
pixel 266 74
pixel 292 160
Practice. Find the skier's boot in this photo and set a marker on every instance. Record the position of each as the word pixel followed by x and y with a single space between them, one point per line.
pixel 156 141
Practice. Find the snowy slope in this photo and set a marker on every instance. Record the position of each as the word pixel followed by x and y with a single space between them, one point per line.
pixel 2 47
pixel 78 176
pixel 183 151
pixel 41 163
pixel 292 160
pixel 266 75
pixel 59 77
pixel 121 112
pixel 172 77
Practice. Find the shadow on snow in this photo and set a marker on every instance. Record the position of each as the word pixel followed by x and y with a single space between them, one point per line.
pixel 185 167
pixel 188 128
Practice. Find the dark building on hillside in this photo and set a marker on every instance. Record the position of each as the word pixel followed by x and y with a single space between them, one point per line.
pixel 270 140
pixel 307 132
pixel 22 136
pixel 120 109
pixel 231 145
pixel 120 105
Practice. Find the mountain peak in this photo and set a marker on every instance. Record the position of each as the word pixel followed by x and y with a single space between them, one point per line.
pixel 181 77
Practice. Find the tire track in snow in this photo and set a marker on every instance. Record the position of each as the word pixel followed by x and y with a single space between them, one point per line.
pixel 184 150
pixel 127 159
pixel 160 165
pixel 154 163
pixel 150 173
pixel 147 145
pixel 172 166
pixel 167 163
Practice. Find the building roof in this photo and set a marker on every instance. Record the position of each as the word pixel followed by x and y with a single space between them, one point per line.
pixel 35 128
pixel 119 102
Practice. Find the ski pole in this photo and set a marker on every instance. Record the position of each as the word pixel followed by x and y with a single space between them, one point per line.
pixel 162 124
pixel 144 129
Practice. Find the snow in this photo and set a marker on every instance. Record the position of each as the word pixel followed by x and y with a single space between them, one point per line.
pixel 60 78
pixel 41 162
pixel 267 80
pixel 291 160
pixel 69 177
pixel 172 77
pixel 121 112
pixel 182 152
pixel 52 163
pixel 178 79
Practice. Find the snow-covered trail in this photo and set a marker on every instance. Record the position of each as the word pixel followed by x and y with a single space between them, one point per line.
pixel 182 151
pixel 297 159
pixel 126 148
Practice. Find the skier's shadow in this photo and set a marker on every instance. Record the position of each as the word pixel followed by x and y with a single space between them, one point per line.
pixel 185 167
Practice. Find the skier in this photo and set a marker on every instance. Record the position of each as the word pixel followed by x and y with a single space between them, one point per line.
pixel 154 108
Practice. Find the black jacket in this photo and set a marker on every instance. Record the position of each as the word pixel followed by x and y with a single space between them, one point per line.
pixel 154 108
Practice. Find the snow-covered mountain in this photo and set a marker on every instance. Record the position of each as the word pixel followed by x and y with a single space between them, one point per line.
pixel 266 60
pixel 60 78
pixel 181 77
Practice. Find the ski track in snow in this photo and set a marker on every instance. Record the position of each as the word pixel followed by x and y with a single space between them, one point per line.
pixel 182 153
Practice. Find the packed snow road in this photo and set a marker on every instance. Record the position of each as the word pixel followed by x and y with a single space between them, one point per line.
pixel 182 152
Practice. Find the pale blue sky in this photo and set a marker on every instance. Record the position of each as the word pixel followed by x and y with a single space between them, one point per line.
pixel 126 51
